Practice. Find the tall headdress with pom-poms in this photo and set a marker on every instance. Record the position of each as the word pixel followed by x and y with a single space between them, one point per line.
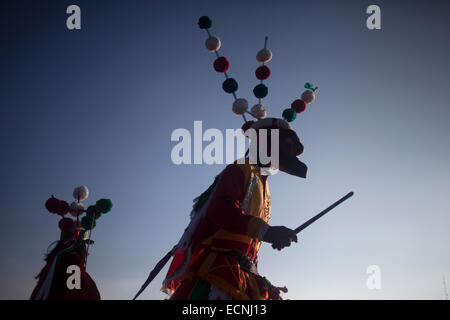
pixel 77 230
pixel 230 85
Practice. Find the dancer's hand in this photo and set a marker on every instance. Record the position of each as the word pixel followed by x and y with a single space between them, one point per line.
pixel 280 237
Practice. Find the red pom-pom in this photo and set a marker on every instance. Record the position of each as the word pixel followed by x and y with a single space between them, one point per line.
pixel 57 206
pixel 63 207
pixel 52 205
pixel 262 73
pixel 66 224
pixel 298 105
pixel 221 64
pixel 247 125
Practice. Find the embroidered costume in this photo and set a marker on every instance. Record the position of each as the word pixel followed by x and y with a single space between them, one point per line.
pixel 239 209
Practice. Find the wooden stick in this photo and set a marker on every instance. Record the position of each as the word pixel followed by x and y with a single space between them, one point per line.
pixel 324 212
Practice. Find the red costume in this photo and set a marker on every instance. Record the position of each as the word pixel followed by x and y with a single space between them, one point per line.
pixel 64 276
pixel 227 233
pixel 52 284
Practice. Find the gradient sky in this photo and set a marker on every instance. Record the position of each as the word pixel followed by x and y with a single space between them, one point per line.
pixel 97 107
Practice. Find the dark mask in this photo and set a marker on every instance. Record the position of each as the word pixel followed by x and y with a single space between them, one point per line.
pixel 290 149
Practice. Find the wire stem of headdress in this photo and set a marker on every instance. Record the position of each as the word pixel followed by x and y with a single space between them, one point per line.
pixel 89 243
pixel 205 23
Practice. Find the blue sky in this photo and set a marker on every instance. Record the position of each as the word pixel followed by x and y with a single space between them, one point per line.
pixel 97 107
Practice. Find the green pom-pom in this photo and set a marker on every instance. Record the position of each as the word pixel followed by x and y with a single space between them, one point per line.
pixel 205 22
pixel 289 115
pixel 260 91
pixel 230 85
pixel 308 85
pixel 104 205
pixel 88 222
pixel 93 211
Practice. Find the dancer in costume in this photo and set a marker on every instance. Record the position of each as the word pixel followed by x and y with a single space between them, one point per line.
pixel 70 251
pixel 217 256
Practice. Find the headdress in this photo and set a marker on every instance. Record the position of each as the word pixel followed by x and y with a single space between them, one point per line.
pixel 76 230
pixel 260 91
pixel 288 163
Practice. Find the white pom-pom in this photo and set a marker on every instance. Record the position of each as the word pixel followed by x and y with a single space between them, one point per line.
pixel 308 96
pixel 80 193
pixel 264 55
pixel 76 209
pixel 212 43
pixel 258 111
pixel 240 106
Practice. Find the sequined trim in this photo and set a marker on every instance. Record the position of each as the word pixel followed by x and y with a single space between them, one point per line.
pixel 248 195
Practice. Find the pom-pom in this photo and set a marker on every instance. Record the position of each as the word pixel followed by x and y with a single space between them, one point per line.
pixel 76 209
pixel 289 115
pixel 94 214
pixel 57 206
pixel 298 105
pixel 104 205
pixel 260 91
pixel 205 22
pixel 221 64
pixel 212 43
pixel 87 223
pixel 63 207
pixel 262 73
pixel 52 205
pixel 66 224
pixel 258 111
pixel 240 106
pixel 247 125
pixel 264 55
pixel 93 211
pixel 81 193
pixel 230 85
pixel 308 96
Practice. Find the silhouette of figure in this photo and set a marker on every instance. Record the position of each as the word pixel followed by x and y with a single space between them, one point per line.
pixel 217 256
pixel 70 250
